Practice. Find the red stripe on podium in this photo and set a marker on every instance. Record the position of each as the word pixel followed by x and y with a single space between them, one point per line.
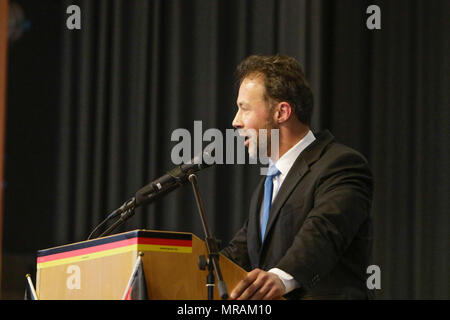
pixel 114 245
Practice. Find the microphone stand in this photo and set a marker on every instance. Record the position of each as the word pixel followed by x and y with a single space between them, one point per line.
pixel 212 249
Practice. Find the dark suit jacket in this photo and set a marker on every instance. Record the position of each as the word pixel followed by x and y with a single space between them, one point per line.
pixel 319 229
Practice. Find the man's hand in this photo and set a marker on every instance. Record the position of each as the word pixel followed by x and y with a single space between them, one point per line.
pixel 259 285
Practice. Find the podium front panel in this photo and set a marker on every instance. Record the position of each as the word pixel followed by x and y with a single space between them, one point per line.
pixel 101 268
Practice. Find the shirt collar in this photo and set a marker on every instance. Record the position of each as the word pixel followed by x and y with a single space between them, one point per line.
pixel 285 163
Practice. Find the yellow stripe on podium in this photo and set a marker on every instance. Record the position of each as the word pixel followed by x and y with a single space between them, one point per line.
pixel 111 252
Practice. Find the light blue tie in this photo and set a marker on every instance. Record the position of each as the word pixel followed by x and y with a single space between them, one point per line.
pixel 268 191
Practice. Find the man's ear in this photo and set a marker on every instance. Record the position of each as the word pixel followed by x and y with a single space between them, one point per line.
pixel 284 111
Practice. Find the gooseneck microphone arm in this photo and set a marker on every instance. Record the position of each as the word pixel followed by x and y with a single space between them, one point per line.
pixel 112 215
pixel 152 192
pixel 128 212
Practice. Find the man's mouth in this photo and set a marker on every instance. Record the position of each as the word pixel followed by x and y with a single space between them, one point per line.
pixel 246 141
pixel 246 135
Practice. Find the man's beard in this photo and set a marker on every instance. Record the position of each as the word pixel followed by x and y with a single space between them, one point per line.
pixel 260 144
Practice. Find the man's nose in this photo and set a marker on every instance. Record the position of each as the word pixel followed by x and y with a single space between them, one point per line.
pixel 237 123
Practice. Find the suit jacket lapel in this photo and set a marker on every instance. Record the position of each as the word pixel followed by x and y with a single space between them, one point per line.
pixel 297 172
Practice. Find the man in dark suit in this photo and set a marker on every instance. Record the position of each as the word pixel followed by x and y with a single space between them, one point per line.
pixel 309 232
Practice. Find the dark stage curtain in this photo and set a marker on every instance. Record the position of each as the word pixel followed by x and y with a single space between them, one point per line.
pixel 137 70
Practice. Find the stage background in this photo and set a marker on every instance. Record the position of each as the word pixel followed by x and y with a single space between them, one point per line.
pixel 90 114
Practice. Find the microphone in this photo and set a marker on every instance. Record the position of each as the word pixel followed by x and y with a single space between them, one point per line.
pixel 158 188
pixel 171 180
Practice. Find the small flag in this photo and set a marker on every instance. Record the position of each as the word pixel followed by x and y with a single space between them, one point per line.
pixel 137 287
pixel 30 293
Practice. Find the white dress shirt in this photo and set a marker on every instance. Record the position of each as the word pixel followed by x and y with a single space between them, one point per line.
pixel 284 164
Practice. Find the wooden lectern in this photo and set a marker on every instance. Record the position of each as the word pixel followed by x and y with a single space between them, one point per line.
pixel 101 268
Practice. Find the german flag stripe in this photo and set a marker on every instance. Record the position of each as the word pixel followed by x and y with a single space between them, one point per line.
pixel 110 252
pixel 139 240
pixel 114 245
pixel 140 234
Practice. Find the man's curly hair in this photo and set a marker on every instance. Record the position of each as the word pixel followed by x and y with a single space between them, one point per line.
pixel 284 80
